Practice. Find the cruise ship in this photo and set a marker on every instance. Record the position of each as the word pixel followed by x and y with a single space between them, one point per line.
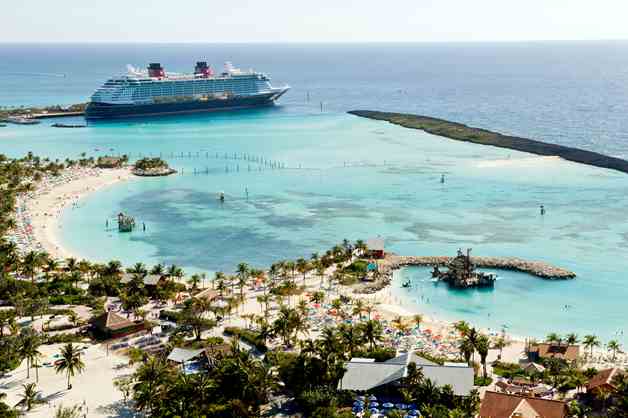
pixel 154 92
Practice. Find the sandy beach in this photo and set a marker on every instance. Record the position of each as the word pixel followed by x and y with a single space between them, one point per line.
pixel 93 389
pixel 39 212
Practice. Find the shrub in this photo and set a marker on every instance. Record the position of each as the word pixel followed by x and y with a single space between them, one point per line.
pixel 482 381
pixel 380 354
pixel 170 316
pixel 64 338
pixel 507 370
pixel 248 336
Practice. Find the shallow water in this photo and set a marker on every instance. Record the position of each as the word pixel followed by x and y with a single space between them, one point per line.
pixel 348 177
pixel 353 178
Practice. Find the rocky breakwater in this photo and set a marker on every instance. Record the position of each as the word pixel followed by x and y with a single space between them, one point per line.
pixel 535 268
pixel 393 262
pixel 461 132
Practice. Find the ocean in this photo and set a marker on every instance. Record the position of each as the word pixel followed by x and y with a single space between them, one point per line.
pixel 353 178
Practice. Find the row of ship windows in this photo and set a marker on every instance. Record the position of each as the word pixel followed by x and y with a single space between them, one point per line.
pixel 130 94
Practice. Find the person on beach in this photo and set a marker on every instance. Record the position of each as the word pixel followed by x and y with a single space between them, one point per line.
pixel 542 210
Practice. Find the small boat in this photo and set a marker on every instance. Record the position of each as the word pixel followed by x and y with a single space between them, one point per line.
pixel 19 120
pixel 406 284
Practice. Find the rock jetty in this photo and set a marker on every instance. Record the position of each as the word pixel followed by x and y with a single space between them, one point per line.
pixel 534 268
pixel 394 262
pixel 461 132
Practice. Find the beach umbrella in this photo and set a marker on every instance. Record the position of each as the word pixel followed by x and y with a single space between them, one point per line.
pixel 388 405
pixel 413 413
pixel 374 411
pixel 401 406
pixel 372 398
pixel 357 409
pixel 373 403
pixel 358 403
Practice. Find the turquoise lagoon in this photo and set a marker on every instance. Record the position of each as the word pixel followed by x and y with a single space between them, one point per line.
pixel 353 178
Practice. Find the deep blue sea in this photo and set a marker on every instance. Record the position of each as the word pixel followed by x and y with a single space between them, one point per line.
pixel 353 178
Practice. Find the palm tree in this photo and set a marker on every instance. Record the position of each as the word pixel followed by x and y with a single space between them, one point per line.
pixel 553 338
pixel 194 280
pixel 219 279
pixel 372 331
pixel 591 341
pixel 51 267
pixel 242 272
pixel 242 278
pixel 500 344
pixel 572 339
pixel 70 362
pixel 482 345
pixel 28 349
pixel 303 267
pixel 70 264
pixel 418 318
pixel 614 347
pixel 462 327
pixel 30 396
pixel 151 379
pixel 74 318
pixel 31 263
pixel 358 308
pixel 466 349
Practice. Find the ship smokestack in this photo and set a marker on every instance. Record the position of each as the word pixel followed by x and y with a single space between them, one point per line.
pixel 156 70
pixel 202 69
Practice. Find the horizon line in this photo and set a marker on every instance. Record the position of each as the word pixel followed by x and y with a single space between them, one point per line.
pixel 512 41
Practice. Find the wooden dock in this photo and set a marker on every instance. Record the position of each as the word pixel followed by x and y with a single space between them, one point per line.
pixel 56 115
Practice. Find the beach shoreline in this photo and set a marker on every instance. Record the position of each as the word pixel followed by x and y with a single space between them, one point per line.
pixel 38 213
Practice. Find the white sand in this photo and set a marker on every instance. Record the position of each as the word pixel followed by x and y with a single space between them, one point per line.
pixel 45 210
pixel 94 385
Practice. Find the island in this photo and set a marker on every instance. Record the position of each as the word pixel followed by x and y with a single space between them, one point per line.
pixel 152 167
pixel 461 132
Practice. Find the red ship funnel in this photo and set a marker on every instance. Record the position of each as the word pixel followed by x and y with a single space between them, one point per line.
pixel 156 70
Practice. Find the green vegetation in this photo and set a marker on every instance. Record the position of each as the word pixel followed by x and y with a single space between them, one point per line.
pixel 237 384
pixel 27 111
pixel 107 161
pixel 482 381
pixel 461 132
pixel 507 370
pixel 251 337
pixel 150 163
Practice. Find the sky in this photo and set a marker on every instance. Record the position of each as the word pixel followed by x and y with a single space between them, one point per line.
pixel 311 20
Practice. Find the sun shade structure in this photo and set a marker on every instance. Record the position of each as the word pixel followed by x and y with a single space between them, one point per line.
pixel 364 376
pixel 112 325
pixel 181 355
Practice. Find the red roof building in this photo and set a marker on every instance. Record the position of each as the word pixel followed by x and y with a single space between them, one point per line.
pixel 502 405
pixel 603 380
